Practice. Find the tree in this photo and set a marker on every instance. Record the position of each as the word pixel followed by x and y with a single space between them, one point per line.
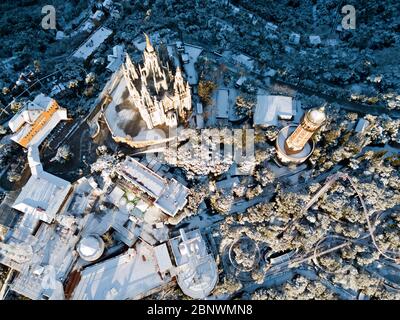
pixel 205 91
pixel 63 154
pixel 245 104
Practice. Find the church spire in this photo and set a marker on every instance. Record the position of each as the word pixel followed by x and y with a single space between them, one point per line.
pixel 149 46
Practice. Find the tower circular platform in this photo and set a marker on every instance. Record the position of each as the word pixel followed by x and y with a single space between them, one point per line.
pixel 295 158
pixel 91 247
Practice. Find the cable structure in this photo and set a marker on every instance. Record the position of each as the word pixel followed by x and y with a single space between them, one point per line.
pixel 371 227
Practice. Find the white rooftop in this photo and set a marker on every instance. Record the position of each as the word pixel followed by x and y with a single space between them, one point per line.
pixel 42 196
pixel 241 80
pixel 190 69
pixel 270 108
pixel 362 124
pixel 170 196
pixel 271 26
pixel 131 275
pixel 116 59
pixel 98 15
pixel 142 177
pixel 315 39
pixel 173 198
pixel 244 60
pixel 294 38
pixel 90 248
pixel 197 272
pixel 91 44
pixel 163 258
pixel 115 196
pixel 222 103
pixel 23 122
pixel 53 258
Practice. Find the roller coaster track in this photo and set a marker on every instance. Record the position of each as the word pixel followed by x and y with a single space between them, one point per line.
pixel 371 227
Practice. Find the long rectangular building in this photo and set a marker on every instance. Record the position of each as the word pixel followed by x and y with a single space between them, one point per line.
pixel 170 196
pixel 132 275
pixel 43 196
pixel 36 120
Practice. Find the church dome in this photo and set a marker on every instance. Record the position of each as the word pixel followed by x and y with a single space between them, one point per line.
pixel 91 247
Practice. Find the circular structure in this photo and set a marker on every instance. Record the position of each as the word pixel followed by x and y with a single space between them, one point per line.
pixel 90 248
pixel 316 116
pixel 244 254
pixel 329 242
pixel 385 224
pixel 295 158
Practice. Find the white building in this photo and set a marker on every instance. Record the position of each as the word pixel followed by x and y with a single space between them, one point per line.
pixel 42 196
pixel 362 125
pixel 271 27
pixel 315 40
pixel 168 195
pixel 98 16
pixel 107 4
pixel 294 38
pixel 160 96
pixel 32 124
pixel 240 81
pixel 116 59
pixel 88 26
pixel 196 270
pixel 132 275
pixel 243 60
pixel 199 108
pixel 270 109
pixel 199 116
pixel 91 44
pixel 222 104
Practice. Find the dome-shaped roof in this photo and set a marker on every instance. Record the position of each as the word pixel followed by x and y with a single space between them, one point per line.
pixel 317 116
pixel 91 247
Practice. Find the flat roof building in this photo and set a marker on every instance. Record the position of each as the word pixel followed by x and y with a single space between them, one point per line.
pixel 91 44
pixel 43 196
pixel 240 81
pixel 132 275
pixel 163 258
pixel 271 108
pixel 199 108
pixel 223 104
pixel 53 256
pixel 243 60
pixel 294 38
pixel 362 125
pixel 197 272
pixel 271 27
pixel 168 195
pixel 315 40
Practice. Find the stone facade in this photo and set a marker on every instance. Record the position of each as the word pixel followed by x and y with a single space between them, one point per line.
pixel 310 123
pixel 162 98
